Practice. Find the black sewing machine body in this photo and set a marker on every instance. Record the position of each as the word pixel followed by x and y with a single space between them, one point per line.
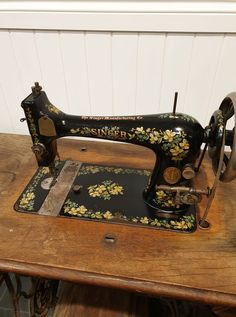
pixel 175 138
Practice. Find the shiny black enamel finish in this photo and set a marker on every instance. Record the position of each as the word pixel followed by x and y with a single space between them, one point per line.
pixel 66 125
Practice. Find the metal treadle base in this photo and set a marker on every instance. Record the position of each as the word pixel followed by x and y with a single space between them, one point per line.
pixel 99 193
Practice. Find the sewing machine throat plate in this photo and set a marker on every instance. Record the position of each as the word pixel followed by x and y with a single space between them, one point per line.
pixel 98 193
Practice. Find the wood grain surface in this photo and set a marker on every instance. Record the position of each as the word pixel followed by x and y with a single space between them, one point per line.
pixel 200 266
pixel 89 301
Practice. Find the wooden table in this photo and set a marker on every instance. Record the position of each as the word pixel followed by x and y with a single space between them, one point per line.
pixel 200 266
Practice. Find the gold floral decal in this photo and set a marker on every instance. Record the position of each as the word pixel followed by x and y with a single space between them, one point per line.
pixel 166 199
pixel 220 119
pixel 182 116
pixel 28 198
pixel 150 135
pixel 94 169
pixel 174 144
pixel 83 131
pixel 184 223
pixel 53 109
pixel 75 209
pixel 32 126
pixel 112 133
pixel 105 190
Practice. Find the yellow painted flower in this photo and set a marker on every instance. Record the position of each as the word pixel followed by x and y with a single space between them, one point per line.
pixel 94 170
pixel 144 220
pixel 167 225
pixel 98 215
pixel 140 130
pixel 155 137
pixel 169 203
pixel 94 194
pixel 156 222
pixel 105 190
pixel 179 224
pixel 101 188
pixel 160 194
pixel 184 144
pixel 117 190
pixel 73 211
pixel 82 209
pixel 24 202
pixel 117 170
pixel 176 150
pixel 45 170
pixel 30 196
pixel 66 209
pixel 146 172
pixel 108 215
pixel 74 131
pixel 169 135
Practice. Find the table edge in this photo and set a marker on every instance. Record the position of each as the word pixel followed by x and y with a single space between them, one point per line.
pixel 151 288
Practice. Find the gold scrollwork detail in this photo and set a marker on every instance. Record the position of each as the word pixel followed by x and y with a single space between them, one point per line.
pixel 184 223
pixel 32 126
pixel 53 109
pixel 94 169
pixel 174 144
pixel 28 198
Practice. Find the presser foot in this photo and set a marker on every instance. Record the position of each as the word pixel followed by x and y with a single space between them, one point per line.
pixel 50 181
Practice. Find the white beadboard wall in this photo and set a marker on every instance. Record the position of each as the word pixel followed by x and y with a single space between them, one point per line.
pixel 112 68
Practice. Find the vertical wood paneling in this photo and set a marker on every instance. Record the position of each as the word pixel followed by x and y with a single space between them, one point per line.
pixel 52 67
pixel 76 72
pixel 225 81
pixel 98 50
pixel 149 72
pixel 124 71
pixel 204 62
pixel 177 59
pixel 11 87
pixel 104 73
pixel 26 58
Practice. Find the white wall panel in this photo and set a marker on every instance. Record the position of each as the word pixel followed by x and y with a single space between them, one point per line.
pixel 52 68
pixel 76 72
pixel 99 63
pixel 124 72
pixel 177 59
pixel 11 86
pixel 151 49
pixel 202 73
pixel 225 80
pixel 104 73
pixel 27 61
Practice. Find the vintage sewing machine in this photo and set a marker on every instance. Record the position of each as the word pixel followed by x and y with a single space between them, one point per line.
pixel 166 193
